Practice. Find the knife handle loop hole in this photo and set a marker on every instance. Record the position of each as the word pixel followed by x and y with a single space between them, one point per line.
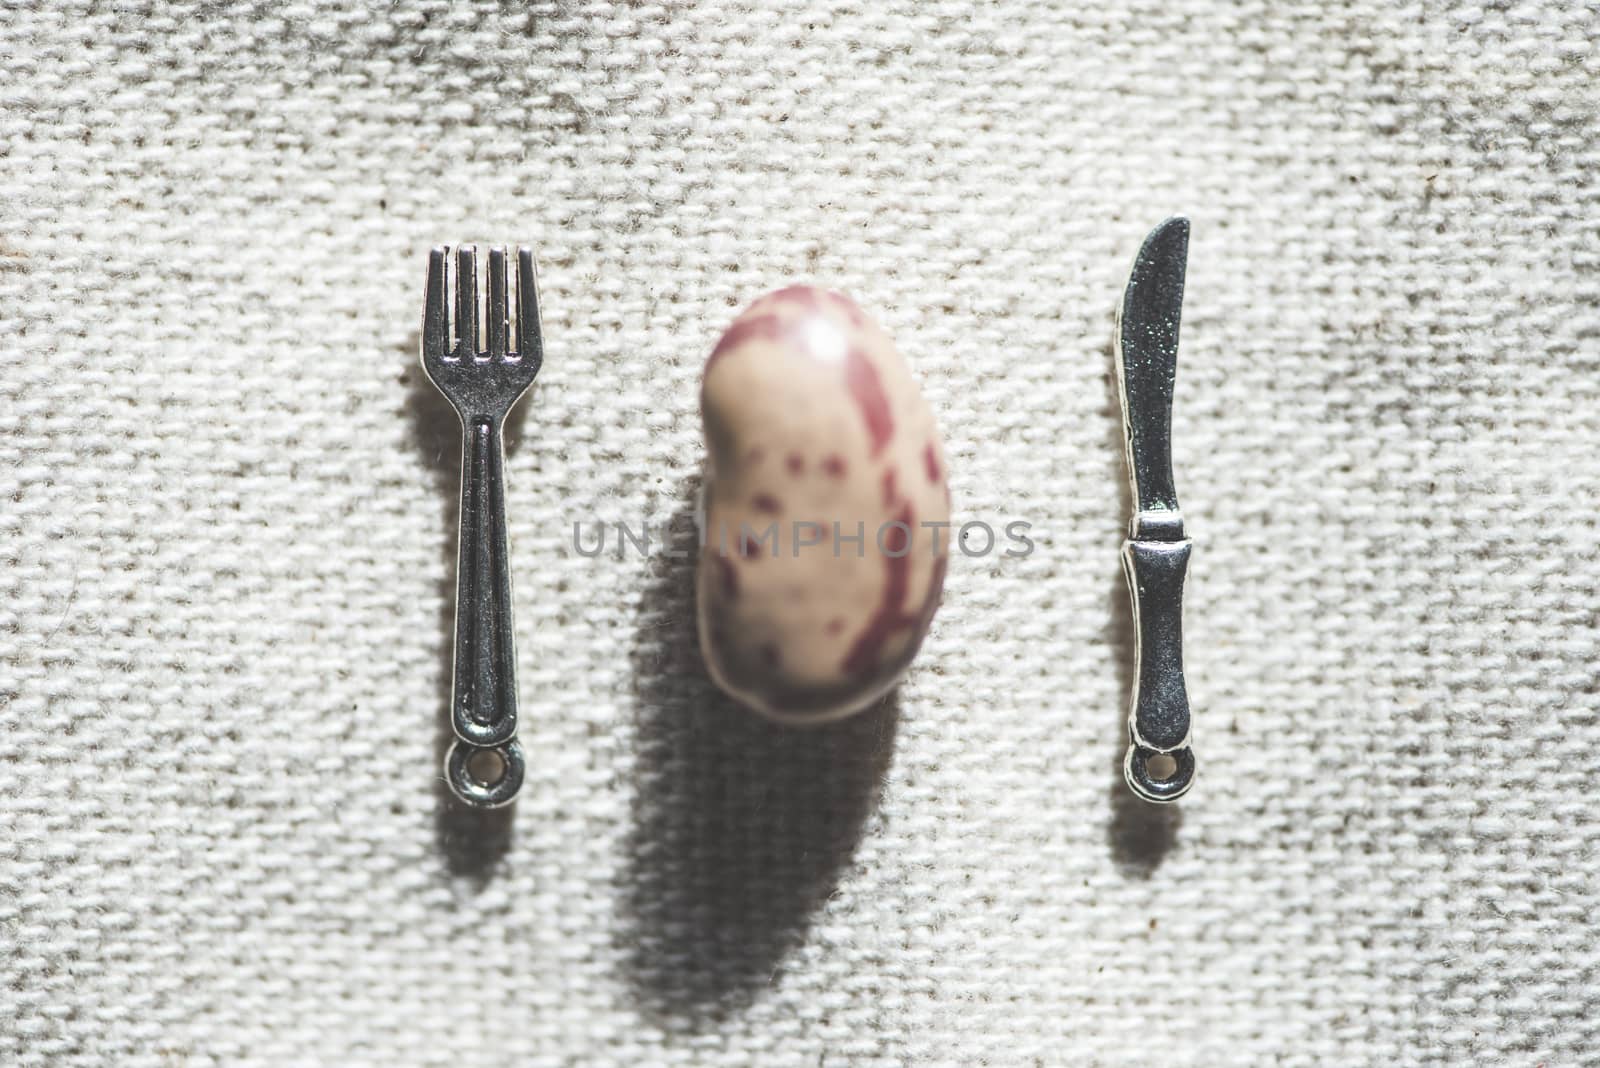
pixel 1142 764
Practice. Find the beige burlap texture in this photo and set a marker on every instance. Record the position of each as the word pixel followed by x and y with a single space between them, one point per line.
pixel 227 508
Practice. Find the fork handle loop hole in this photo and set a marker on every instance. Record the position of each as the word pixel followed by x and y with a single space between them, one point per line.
pixel 463 763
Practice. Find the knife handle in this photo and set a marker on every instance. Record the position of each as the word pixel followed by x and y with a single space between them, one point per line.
pixel 1159 721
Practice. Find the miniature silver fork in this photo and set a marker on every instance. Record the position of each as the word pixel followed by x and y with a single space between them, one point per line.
pixel 485 764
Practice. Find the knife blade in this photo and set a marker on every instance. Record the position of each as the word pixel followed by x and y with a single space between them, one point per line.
pixel 1147 363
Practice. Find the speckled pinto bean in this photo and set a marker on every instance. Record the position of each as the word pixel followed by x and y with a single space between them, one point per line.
pixel 826 509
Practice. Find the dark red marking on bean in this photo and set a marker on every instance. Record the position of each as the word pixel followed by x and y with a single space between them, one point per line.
pixel 755 455
pixel 746 328
pixel 796 464
pixel 749 548
pixel 930 462
pixel 897 539
pixel 834 627
pixel 833 465
pixel 866 388
pixel 890 615
pixel 890 494
pixel 766 502
pixel 730 578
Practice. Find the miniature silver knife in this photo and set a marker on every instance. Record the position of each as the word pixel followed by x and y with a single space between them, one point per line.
pixel 1160 763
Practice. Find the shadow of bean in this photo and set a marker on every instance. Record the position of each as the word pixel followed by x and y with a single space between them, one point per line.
pixel 741 826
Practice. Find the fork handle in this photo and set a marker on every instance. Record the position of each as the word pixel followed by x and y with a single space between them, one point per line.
pixel 484 689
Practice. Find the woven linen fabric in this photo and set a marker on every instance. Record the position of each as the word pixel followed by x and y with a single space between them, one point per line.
pixel 227 536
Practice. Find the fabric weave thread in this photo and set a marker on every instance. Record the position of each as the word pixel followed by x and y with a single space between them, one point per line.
pixel 227 526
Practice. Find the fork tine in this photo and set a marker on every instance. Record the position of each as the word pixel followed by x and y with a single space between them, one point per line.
pixel 435 308
pixel 467 301
pixel 530 340
pixel 498 310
